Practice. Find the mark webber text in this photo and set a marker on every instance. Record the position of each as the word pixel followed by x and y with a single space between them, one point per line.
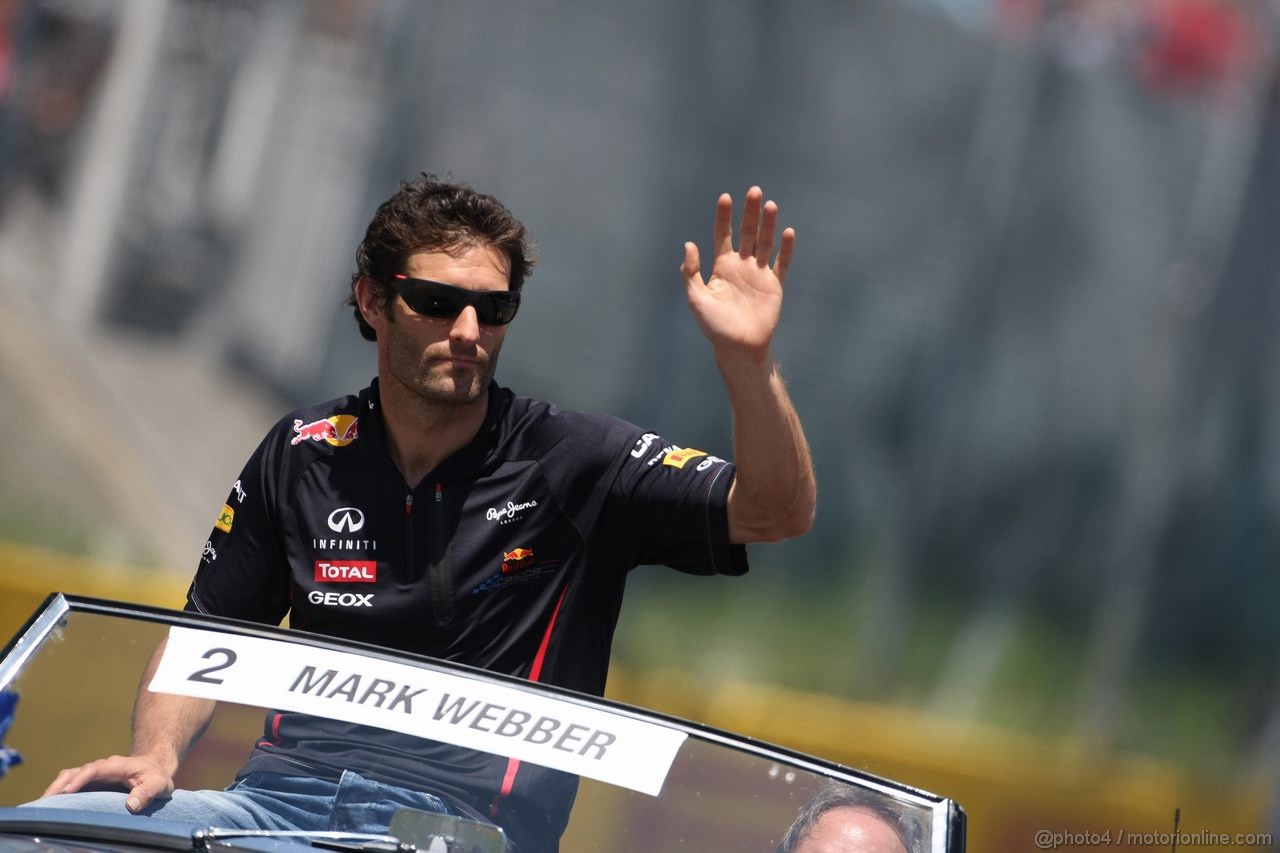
pixel 454 710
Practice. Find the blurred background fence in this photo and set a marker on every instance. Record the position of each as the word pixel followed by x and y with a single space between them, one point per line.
pixel 1030 327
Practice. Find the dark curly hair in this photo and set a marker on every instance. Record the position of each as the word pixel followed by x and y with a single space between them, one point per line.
pixel 434 215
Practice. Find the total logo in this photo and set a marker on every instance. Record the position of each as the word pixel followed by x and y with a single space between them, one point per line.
pixel 338 430
pixel 346 571
pixel 341 599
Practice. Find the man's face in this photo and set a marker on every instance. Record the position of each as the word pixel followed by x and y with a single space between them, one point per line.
pixel 447 361
pixel 851 829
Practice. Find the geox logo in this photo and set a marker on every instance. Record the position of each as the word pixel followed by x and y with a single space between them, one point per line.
pixel 341 599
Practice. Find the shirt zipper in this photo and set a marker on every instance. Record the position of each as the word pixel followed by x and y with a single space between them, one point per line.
pixel 405 572
pixel 441 571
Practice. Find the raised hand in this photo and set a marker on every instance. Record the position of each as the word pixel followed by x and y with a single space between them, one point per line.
pixel 738 307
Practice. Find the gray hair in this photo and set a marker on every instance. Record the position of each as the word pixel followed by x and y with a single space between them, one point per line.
pixel 905 823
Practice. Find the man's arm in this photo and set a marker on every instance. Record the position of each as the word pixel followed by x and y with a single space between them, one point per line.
pixel 774 493
pixel 165 727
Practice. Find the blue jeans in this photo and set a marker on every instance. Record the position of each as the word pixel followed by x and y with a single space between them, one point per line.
pixel 272 801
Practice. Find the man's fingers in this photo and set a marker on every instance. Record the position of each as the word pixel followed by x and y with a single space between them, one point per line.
pixel 59 783
pixel 785 251
pixel 756 237
pixel 750 223
pixel 691 267
pixel 722 237
pixel 142 795
pixel 147 781
pixel 74 778
pixel 764 243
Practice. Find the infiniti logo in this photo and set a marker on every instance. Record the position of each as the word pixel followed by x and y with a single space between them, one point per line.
pixel 346 519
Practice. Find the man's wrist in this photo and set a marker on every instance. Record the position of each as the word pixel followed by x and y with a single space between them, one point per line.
pixel 164 760
pixel 745 361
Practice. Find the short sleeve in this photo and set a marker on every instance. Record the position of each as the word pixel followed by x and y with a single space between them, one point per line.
pixel 671 504
pixel 243 572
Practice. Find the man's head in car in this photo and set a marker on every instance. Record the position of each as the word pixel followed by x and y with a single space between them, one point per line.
pixel 843 819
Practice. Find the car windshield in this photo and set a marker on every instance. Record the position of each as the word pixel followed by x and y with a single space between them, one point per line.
pixel 644 782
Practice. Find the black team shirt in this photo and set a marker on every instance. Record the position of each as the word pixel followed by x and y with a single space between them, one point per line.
pixel 511 555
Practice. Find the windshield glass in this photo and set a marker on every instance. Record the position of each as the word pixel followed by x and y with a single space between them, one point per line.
pixel 627 780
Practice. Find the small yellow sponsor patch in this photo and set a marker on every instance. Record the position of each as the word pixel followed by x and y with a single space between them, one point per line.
pixel 677 458
pixel 225 519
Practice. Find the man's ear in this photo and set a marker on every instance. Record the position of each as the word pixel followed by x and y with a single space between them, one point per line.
pixel 371 298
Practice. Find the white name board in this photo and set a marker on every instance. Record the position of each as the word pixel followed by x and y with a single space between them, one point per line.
pixel 470 713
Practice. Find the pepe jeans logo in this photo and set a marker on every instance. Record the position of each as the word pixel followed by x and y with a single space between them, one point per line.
pixel 509 513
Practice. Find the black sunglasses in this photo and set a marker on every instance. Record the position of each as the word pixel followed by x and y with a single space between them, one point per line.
pixel 444 301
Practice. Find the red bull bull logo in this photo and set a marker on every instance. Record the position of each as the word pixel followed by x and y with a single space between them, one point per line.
pixel 513 561
pixel 338 430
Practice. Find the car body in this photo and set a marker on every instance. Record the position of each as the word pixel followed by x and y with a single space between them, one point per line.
pixel 663 784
